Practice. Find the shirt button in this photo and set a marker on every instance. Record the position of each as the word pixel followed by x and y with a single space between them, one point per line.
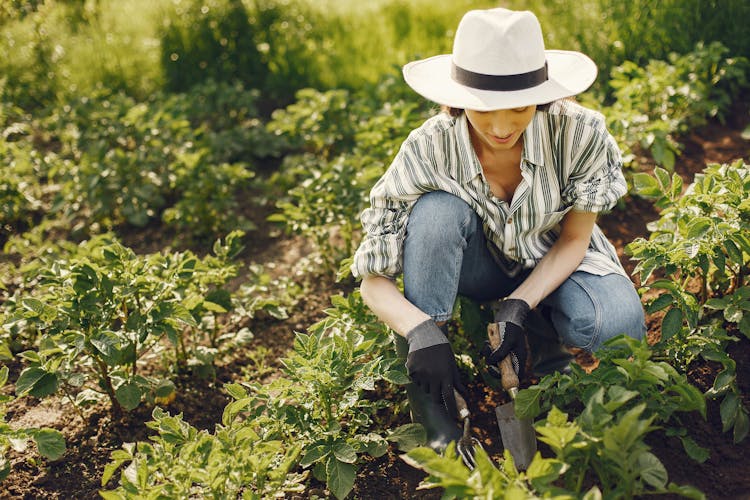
pixel 510 220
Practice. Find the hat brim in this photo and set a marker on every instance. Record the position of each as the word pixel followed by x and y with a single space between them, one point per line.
pixel 569 73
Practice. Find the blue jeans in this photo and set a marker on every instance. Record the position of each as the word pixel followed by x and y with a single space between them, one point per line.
pixel 445 254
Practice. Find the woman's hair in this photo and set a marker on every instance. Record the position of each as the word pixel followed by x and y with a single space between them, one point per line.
pixel 456 112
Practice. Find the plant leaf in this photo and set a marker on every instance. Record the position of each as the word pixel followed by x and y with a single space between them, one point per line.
pixel 652 470
pixel 128 395
pixel 408 436
pixel 671 323
pixel 340 477
pixel 50 442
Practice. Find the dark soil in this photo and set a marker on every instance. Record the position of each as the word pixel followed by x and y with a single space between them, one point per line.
pixel 91 439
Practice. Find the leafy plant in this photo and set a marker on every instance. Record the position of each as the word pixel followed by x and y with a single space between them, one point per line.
pixel 99 315
pixel 49 442
pixel 448 471
pixel 345 154
pixel 181 461
pixel 627 377
pixel 319 403
pixel 655 103
pixel 611 447
pixel 701 244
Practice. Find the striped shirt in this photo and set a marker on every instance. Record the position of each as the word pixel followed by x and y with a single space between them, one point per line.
pixel 569 162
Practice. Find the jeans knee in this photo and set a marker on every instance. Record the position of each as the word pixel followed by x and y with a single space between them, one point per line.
pixel 594 313
pixel 439 215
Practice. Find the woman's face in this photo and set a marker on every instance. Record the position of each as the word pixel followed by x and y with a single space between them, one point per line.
pixel 499 130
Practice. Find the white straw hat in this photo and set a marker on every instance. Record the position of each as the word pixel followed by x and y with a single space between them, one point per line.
pixel 499 62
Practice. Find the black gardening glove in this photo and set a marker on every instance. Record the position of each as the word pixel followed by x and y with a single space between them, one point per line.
pixel 509 317
pixel 432 366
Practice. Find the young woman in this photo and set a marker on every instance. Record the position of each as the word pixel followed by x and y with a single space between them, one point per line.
pixel 497 199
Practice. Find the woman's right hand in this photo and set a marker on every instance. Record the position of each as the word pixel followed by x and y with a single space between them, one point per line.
pixel 432 366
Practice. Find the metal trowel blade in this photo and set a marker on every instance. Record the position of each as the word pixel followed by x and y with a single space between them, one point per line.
pixel 518 435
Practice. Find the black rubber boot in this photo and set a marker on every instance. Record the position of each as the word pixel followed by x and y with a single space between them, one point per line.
pixel 440 427
pixel 548 354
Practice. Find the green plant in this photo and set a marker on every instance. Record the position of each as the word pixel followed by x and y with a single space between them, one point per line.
pixel 49 442
pixel 320 403
pixel 99 314
pixel 701 244
pixel 448 471
pixel 328 184
pixel 627 377
pixel 612 447
pixel 181 461
pixel 655 103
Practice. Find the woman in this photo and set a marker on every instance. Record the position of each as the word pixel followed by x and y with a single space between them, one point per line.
pixel 497 199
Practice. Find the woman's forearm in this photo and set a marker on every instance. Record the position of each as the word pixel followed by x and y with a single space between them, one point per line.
pixel 384 298
pixel 560 262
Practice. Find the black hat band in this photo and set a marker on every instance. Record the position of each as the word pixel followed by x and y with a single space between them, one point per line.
pixel 481 81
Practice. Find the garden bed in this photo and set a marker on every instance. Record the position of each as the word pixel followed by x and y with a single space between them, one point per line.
pixel 92 436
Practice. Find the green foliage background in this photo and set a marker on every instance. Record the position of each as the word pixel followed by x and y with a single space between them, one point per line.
pixel 55 48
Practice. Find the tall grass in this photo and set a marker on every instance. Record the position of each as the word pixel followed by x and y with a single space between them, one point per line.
pixel 54 48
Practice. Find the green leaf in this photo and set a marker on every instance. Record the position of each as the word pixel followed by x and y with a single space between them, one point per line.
pixel 221 298
pixel 646 185
pixel 396 377
pixel 128 395
pixel 698 227
pixel 671 324
pixel 527 402
pixel 340 477
pixel 51 443
pixel 314 454
pixel 694 450
pixel 723 381
pixel 163 388
pixel 744 325
pixel 741 426
pixel 408 436
pixel 344 452
pixel 5 352
pixel 735 254
pixel 45 386
pixel 37 382
pixel 182 314
pixel 717 304
pixel 662 301
pixel 652 470
pixel 544 471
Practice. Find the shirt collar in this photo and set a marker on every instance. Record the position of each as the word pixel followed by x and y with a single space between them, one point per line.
pixel 532 154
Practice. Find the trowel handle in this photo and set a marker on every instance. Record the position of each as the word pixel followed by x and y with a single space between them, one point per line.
pixel 463 409
pixel 508 376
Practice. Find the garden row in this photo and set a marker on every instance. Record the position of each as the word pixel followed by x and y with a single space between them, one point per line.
pixel 96 321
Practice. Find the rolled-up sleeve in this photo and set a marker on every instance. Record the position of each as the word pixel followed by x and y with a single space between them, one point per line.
pixel 596 181
pixel 384 222
pixel 384 225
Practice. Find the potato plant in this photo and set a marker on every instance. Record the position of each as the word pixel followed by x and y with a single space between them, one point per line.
pixel 701 245
pixel 316 417
pixel 346 141
pixel 49 442
pixel 655 103
pixel 101 314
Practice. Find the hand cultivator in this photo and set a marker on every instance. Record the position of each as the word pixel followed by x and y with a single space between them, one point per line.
pixel 468 443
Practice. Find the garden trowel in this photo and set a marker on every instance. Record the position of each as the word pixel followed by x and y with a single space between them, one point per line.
pixel 518 434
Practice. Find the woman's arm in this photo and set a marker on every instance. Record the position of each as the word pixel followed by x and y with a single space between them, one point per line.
pixel 561 260
pixel 384 298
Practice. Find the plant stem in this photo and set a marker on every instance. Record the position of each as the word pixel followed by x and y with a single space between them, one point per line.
pixel 107 381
